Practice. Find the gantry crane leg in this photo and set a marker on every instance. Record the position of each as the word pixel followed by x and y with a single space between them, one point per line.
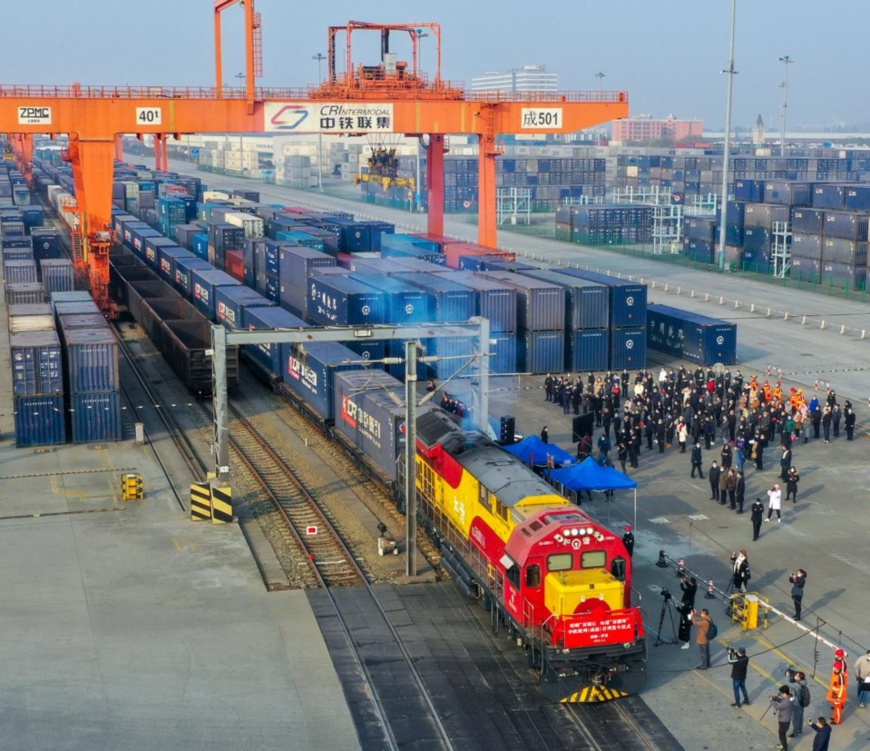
pixel 92 162
pixel 487 228
pixel 435 182
pixel 119 147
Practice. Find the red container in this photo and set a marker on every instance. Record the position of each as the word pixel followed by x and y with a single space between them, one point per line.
pixel 235 264
pixel 454 250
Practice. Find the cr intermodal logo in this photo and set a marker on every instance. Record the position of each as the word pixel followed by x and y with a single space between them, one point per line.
pixel 289 117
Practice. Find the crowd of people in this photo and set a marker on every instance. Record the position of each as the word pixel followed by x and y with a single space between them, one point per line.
pixel 743 421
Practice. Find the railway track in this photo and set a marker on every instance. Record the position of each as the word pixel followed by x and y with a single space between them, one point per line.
pixel 627 724
pixel 332 562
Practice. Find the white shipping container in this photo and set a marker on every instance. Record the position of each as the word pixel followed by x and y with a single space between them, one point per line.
pixel 253 225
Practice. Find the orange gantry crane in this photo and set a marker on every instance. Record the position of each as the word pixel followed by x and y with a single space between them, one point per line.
pixel 393 96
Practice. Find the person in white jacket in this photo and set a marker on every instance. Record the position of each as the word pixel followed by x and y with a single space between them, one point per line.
pixel 774 503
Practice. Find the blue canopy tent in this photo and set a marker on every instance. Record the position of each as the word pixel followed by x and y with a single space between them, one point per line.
pixel 534 451
pixel 590 475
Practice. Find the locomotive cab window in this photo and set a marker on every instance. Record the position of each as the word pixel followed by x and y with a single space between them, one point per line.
pixel 513 575
pixel 533 576
pixel 560 562
pixel 593 559
pixel 485 497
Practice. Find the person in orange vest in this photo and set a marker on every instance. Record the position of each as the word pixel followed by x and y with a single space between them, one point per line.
pixel 837 692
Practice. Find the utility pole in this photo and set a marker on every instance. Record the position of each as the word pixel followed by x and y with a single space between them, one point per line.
pixel 319 57
pixel 726 155
pixel 786 61
pixel 411 457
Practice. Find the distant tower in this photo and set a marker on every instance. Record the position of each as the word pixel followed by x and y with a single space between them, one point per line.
pixel 758 132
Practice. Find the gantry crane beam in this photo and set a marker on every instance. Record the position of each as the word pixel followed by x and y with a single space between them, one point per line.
pixel 93 116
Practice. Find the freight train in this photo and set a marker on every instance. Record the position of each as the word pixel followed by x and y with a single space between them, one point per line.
pixel 559 581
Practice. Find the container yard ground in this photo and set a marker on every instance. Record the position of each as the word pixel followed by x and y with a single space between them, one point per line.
pixel 823 533
pixel 125 625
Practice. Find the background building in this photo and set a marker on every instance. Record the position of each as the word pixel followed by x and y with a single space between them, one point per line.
pixel 646 128
pixel 525 79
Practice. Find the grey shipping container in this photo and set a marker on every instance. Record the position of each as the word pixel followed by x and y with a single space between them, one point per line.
pixel 309 373
pixel 37 366
pixel 806 246
pixel 496 301
pixel 28 292
pixel 540 305
pixel 295 263
pixel 809 221
pixel 844 275
pixel 369 419
pixel 95 418
pixel 588 350
pixel 628 348
pixel 58 275
pixel 850 252
pixel 39 420
pixel 846 224
pixel 232 301
pixel 627 298
pixel 541 351
pixel 91 359
pixel 19 272
pixel 805 269
pixel 587 303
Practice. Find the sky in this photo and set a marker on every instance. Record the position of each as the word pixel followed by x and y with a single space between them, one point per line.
pixel 668 55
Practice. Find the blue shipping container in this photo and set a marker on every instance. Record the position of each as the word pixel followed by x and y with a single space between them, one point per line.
pixel 309 374
pixel 503 354
pixel 453 302
pixel 339 301
pixel 541 352
pixel 496 302
pixel 231 302
pixel 166 261
pixel 404 304
pixel 269 355
pixel 689 336
pixel 39 421
pixel 627 299
pixel 589 350
pixel 96 418
pixel 205 282
pixel 91 360
pixel 628 348
pixel 37 367
pixel 181 273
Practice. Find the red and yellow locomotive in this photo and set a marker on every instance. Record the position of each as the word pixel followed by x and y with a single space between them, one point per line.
pixel 554 575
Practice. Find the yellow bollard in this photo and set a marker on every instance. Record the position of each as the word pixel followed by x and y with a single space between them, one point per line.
pixel 750 612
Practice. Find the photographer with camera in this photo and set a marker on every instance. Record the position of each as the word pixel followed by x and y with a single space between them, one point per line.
pixel 801 700
pixel 739 665
pixel 702 623
pixel 783 708
pixel 689 586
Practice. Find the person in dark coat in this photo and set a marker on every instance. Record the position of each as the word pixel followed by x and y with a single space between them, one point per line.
pixel 740 573
pixel 740 492
pixel 739 667
pixel 697 460
pixel 849 420
pixel 798 581
pixel 727 455
pixel 792 479
pixel 713 475
pixel 628 540
pixel 823 734
pixel 622 455
pixel 689 585
pixel 545 434
pixel 757 517
pixel 784 462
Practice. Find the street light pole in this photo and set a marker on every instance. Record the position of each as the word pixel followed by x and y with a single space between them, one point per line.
pixel 319 57
pixel 785 60
pixel 726 156
pixel 600 76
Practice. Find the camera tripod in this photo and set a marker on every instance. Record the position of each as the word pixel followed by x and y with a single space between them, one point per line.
pixel 667 609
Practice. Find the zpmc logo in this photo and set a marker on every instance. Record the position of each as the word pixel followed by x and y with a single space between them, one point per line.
pixel 289 117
